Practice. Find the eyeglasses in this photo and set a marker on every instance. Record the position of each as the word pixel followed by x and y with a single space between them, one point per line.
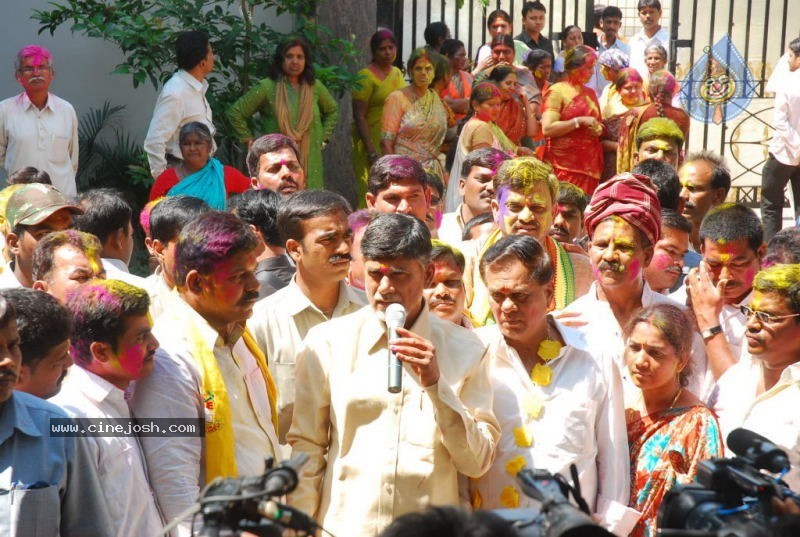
pixel 764 317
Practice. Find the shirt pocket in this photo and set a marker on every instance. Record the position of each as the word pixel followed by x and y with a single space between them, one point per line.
pixel 35 512
pixel 60 152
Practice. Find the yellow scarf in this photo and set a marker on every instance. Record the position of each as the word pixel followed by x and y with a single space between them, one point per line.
pixel 301 130
pixel 219 452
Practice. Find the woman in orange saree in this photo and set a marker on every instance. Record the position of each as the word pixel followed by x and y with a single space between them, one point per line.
pixel 572 123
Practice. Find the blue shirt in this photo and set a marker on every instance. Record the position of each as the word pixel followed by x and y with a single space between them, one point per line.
pixel 48 484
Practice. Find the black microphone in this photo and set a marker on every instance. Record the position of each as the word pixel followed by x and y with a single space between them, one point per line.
pixel 283 479
pixel 287 516
pixel 760 450
pixel 395 316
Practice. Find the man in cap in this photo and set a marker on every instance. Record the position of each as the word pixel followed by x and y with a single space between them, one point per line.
pixel 624 223
pixel 32 212
pixel 659 138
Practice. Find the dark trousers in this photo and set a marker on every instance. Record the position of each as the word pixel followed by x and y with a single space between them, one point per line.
pixel 774 178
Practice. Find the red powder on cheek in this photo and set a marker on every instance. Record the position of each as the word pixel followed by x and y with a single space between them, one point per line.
pixel 749 276
pixel 634 269
pixel 661 261
pixel 133 360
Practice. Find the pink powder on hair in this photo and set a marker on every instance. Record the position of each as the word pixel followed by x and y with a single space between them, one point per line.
pixel 39 54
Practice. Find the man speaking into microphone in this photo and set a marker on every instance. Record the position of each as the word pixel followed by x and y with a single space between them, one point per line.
pixel 373 454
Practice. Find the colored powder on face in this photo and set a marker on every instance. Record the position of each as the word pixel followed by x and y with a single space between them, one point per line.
pixel 661 145
pixel 724 258
pixel 39 55
pixel 633 270
pixel 661 261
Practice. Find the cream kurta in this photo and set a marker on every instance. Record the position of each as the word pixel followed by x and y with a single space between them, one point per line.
pixel 387 454
pixel 582 422
pixel 773 414
pixel 279 324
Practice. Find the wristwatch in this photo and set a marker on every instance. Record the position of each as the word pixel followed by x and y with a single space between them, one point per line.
pixel 708 333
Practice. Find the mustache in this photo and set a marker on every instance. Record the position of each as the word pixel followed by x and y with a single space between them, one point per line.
pixel 613 266
pixel 558 229
pixel 337 258
pixel 249 296
pixel 442 300
pixel 9 376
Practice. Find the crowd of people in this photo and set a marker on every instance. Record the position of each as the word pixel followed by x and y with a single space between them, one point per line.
pixel 576 291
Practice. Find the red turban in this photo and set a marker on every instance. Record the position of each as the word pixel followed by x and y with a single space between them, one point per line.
pixel 630 197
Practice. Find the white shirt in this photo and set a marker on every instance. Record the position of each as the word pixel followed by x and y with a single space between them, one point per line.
pixel 46 139
pixel 120 461
pixel 182 100
pixel 640 42
pixel 451 229
pixel 160 292
pixel 604 336
pixel 785 143
pixel 8 280
pixel 116 269
pixel 174 390
pixel 773 414
pixel 279 324
pixel 582 422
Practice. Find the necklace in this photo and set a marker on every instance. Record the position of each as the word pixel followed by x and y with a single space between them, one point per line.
pixel 675 399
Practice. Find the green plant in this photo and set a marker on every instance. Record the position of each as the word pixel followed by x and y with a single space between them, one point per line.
pixel 145 32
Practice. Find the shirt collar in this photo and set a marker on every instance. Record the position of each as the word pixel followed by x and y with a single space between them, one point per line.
pixel 26 104
pixel 192 81
pixel 296 301
pixel 96 388
pixel 118 264
pixel 208 333
pixel 15 415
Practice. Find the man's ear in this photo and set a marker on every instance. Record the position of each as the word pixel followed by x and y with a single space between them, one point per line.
pixel 194 282
pixel 370 197
pixel 430 271
pixel 254 184
pixel 116 239
pixel 293 249
pixel 100 351
pixel 12 243
pixel 718 196
pixel 40 285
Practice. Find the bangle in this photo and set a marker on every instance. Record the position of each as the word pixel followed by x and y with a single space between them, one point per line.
pixel 577 123
pixel 708 333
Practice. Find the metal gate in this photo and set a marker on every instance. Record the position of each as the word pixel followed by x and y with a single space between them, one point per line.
pixel 760 29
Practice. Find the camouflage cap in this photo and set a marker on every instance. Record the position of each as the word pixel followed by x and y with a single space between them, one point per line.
pixel 34 203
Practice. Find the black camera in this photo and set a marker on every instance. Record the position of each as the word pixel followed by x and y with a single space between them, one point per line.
pixel 230 506
pixel 557 517
pixel 733 496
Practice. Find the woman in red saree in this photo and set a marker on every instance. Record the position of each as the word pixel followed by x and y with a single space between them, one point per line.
pixel 515 117
pixel 572 123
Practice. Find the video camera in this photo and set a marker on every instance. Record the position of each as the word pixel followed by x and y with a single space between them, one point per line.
pixel 733 497
pixel 557 517
pixel 230 506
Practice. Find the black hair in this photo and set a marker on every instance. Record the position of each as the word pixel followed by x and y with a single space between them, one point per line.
pixel 671 321
pixel 503 39
pixel 485 157
pixel 276 71
pixel 648 3
pixel 171 214
pixel 442 249
pixel 501 72
pixel 573 195
pixel 304 205
pixel 44 252
pixel 730 222
pixel 269 143
pixel 449 521
pixel 379 37
pixel 720 175
pixel 190 49
pixel 611 11
pixel 665 179
pixel 435 33
pixel 435 182
pixel 105 211
pixel 794 45
pixel 392 168
pixel 450 47
pixel 532 6
pixel 28 175
pixel 42 323
pixel 497 14
pixel 477 220
pixel 673 220
pixel 392 236
pixel 211 238
pixel 524 249
pixel 535 57
pixel 784 247
pixel 259 208
pixel 99 310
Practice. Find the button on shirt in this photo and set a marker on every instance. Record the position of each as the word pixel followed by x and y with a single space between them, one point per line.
pixel 582 422
pixel 375 455
pixel 182 100
pixel 46 139
pixel 48 484
pixel 640 42
pixel 279 324
pixel 773 414
pixel 174 390
pixel 120 461
pixel 605 338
